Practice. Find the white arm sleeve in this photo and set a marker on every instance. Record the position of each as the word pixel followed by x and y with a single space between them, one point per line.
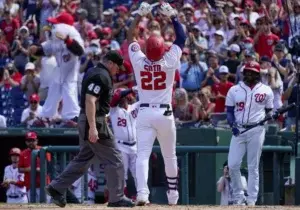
pixel 270 99
pixel 52 47
pixel 230 98
pixel 173 56
pixel 136 55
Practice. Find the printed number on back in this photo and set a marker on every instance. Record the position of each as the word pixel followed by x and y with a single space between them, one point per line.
pixel 153 80
pixel 93 185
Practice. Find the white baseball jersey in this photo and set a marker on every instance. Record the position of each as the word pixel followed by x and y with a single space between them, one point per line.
pixel 77 189
pixel 124 126
pixel 154 79
pixel 67 63
pixel 13 174
pixel 250 104
pixel 92 184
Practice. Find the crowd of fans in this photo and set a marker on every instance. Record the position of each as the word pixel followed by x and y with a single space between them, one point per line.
pixel 222 36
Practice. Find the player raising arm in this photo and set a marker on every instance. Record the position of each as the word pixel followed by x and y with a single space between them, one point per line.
pixel 154 72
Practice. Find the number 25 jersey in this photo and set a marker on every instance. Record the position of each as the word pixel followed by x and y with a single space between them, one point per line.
pixel 154 79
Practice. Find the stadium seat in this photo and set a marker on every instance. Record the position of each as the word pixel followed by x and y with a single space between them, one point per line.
pixel 17 93
pixel 17 114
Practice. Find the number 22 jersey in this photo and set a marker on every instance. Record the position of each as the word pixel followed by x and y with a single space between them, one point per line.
pixel 154 79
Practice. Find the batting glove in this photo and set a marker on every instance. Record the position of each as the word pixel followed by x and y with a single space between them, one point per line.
pixel 235 131
pixel 167 10
pixel 144 9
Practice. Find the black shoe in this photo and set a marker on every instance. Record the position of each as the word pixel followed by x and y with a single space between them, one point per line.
pixel 58 198
pixel 75 119
pixel 124 202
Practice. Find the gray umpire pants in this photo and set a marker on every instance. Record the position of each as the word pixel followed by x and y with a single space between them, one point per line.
pixel 105 150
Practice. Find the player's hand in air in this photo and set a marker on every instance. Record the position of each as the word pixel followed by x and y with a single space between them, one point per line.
pixel 235 131
pixel 144 9
pixel 93 135
pixel 167 10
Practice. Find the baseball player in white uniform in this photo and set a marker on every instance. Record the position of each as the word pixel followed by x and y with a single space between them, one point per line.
pixel 92 186
pixel 247 103
pixel 76 189
pixel 154 72
pixel 66 45
pixel 123 120
pixel 13 180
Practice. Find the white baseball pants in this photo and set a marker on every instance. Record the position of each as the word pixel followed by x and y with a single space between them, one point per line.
pixel 37 196
pixel 251 142
pixel 68 92
pixel 151 123
pixel 23 199
pixel 129 161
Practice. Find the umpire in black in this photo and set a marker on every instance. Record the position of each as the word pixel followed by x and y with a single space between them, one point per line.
pixel 96 139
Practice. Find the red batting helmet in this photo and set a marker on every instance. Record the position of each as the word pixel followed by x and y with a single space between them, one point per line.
pixel 252 66
pixel 155 48
pixel 15 151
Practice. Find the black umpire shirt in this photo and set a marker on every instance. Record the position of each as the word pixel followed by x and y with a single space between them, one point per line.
pixel 97 82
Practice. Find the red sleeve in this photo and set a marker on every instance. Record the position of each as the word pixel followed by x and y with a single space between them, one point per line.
pixel 128 67
pixel 16 24
pixel 177 76
pixel 214 89
pixel 114 101
pixel 69 41
pixel 191 108
pixel 21 161
pixel 20 183
pixel 17 77
pixel 48 157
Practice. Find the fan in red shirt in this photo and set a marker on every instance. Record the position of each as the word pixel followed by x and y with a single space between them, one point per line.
pixel 31 141
pixel 9 26
pixel 221 89
pixel 265 40
pixel 11 77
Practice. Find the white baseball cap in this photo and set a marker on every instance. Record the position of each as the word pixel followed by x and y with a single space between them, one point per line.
pixel 29 66
pixel 223 69
pixel 234 48
pixel 220 33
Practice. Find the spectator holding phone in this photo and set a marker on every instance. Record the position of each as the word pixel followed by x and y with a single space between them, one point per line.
pixel 32 113
pixel 30 82
pixel 224 186
pixel 10 76
pixel 19 49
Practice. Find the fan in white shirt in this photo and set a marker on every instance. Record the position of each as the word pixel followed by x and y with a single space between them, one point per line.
pixel 30 114
pixel 2 121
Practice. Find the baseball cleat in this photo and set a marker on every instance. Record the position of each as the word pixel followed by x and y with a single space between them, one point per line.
pixel 239 203
pixel 142 203
pixel 124 202
pixel 57 198
pixel 250 203
pixel 173 197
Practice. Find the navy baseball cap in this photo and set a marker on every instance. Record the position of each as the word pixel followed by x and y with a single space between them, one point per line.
pixel 265 59
pixel 115 57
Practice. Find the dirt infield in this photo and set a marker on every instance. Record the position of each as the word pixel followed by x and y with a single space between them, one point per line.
pixel 152 207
